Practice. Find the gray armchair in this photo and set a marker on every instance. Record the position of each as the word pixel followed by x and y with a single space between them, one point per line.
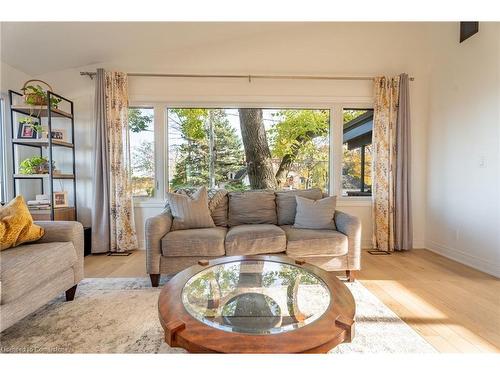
pixel 32 274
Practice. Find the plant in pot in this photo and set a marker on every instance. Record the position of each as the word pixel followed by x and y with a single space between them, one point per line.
pixel 35 165
pixel 36 95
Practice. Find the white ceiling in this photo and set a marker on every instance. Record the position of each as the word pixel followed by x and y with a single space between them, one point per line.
pixel 41 47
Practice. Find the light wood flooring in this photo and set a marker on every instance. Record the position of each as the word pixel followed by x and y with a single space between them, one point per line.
pixel 453 307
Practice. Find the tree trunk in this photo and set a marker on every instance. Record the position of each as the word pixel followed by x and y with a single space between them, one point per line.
pixel 257 153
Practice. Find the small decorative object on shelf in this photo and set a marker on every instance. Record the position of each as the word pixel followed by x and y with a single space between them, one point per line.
pixel 34 112
pixel 61 199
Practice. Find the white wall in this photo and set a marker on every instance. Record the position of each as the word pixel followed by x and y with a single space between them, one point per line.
pixel 463 156
pixel 10 78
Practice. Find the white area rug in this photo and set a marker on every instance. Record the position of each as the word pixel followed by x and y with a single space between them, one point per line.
pixel 119 315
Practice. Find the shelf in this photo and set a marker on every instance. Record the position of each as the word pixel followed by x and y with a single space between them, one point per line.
pixel 45 175
pixel 41 142
pixel 60 213
pixel 32 110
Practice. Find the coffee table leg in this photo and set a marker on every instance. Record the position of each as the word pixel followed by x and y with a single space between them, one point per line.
pixel 171 329
pixel 347 325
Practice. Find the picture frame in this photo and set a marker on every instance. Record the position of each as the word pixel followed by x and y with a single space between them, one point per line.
pixel 60 199
pixel 25 131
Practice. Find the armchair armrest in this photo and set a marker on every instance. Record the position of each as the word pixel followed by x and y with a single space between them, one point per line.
pixel 350 226
pixel 65 231
pixel 156 228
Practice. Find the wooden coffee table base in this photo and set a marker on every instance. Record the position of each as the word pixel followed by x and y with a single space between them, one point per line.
pixel 334 327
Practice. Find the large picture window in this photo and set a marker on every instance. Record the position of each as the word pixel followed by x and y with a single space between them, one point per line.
pixel 357 152
pixel 142 152
pixel 248 148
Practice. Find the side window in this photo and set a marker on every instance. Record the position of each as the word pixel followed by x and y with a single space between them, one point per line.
pixel 142 153
pixel 357 152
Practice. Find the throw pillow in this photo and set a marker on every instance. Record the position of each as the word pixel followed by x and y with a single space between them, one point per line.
pixel 315 214
pixel 217 203
pixel 190 212
pixel 286 203
pixel 16 224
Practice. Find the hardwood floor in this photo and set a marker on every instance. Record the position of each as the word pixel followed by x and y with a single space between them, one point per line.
pixel 452 306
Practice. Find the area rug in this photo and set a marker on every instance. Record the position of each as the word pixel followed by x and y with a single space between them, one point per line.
pixel 119 315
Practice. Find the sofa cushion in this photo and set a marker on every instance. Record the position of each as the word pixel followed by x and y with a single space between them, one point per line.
pixel 315 214
pixel 218 206
pixel 194 242
pixel 190 212
pixel 252 207
pixel 28 266
pixel 217 203
pixel 314 242
pixel 251 239
pixel 286 204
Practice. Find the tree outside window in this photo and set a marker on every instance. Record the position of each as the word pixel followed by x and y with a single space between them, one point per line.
pixel 250 148
pixel 141 134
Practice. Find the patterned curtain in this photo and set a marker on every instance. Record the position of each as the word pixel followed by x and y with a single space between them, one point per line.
pixel 386 92
pixel 122 228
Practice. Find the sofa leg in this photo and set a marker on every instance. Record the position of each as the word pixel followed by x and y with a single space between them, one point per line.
pixel 70 293
pixel 350 275
pixel 155 279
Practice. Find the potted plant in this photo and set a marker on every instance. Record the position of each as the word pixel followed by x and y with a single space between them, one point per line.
pixel 35 165
pixel 35 95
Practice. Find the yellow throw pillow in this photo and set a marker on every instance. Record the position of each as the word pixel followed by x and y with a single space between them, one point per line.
pixel 16 224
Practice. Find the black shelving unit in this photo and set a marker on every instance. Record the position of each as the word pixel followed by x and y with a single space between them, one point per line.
pixel 47 113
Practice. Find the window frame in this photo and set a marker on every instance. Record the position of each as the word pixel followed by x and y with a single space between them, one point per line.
pixel 336 107
pixel 157 144
pixel 348 107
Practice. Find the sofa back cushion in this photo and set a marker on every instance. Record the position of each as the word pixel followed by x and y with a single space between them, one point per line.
pixel 252 207
pixel 287 205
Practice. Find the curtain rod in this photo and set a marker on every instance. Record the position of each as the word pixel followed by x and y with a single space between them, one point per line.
pixel 249 76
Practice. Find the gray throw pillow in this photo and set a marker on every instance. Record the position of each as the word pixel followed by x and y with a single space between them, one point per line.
pixel 315 214
pixel 286 203
pixel 190 212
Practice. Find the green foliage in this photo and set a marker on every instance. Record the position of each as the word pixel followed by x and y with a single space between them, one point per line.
pixel 192 165
pixel 297 128
pixel 351 114
pixel 144 159
pixel 193 123
pixel 138 122
pixel 34 94
pixel 35 165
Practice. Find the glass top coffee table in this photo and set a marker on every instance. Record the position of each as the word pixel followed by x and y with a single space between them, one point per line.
pixel 256 304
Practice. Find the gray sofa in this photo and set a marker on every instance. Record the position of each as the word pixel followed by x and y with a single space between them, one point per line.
pixel 257 222
pixel 33 274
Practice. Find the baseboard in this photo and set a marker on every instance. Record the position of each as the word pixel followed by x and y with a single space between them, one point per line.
pixel 464 258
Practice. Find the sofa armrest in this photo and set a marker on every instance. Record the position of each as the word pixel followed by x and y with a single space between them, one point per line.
pixel 350 226
pixel 65 231
pixel 156 228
